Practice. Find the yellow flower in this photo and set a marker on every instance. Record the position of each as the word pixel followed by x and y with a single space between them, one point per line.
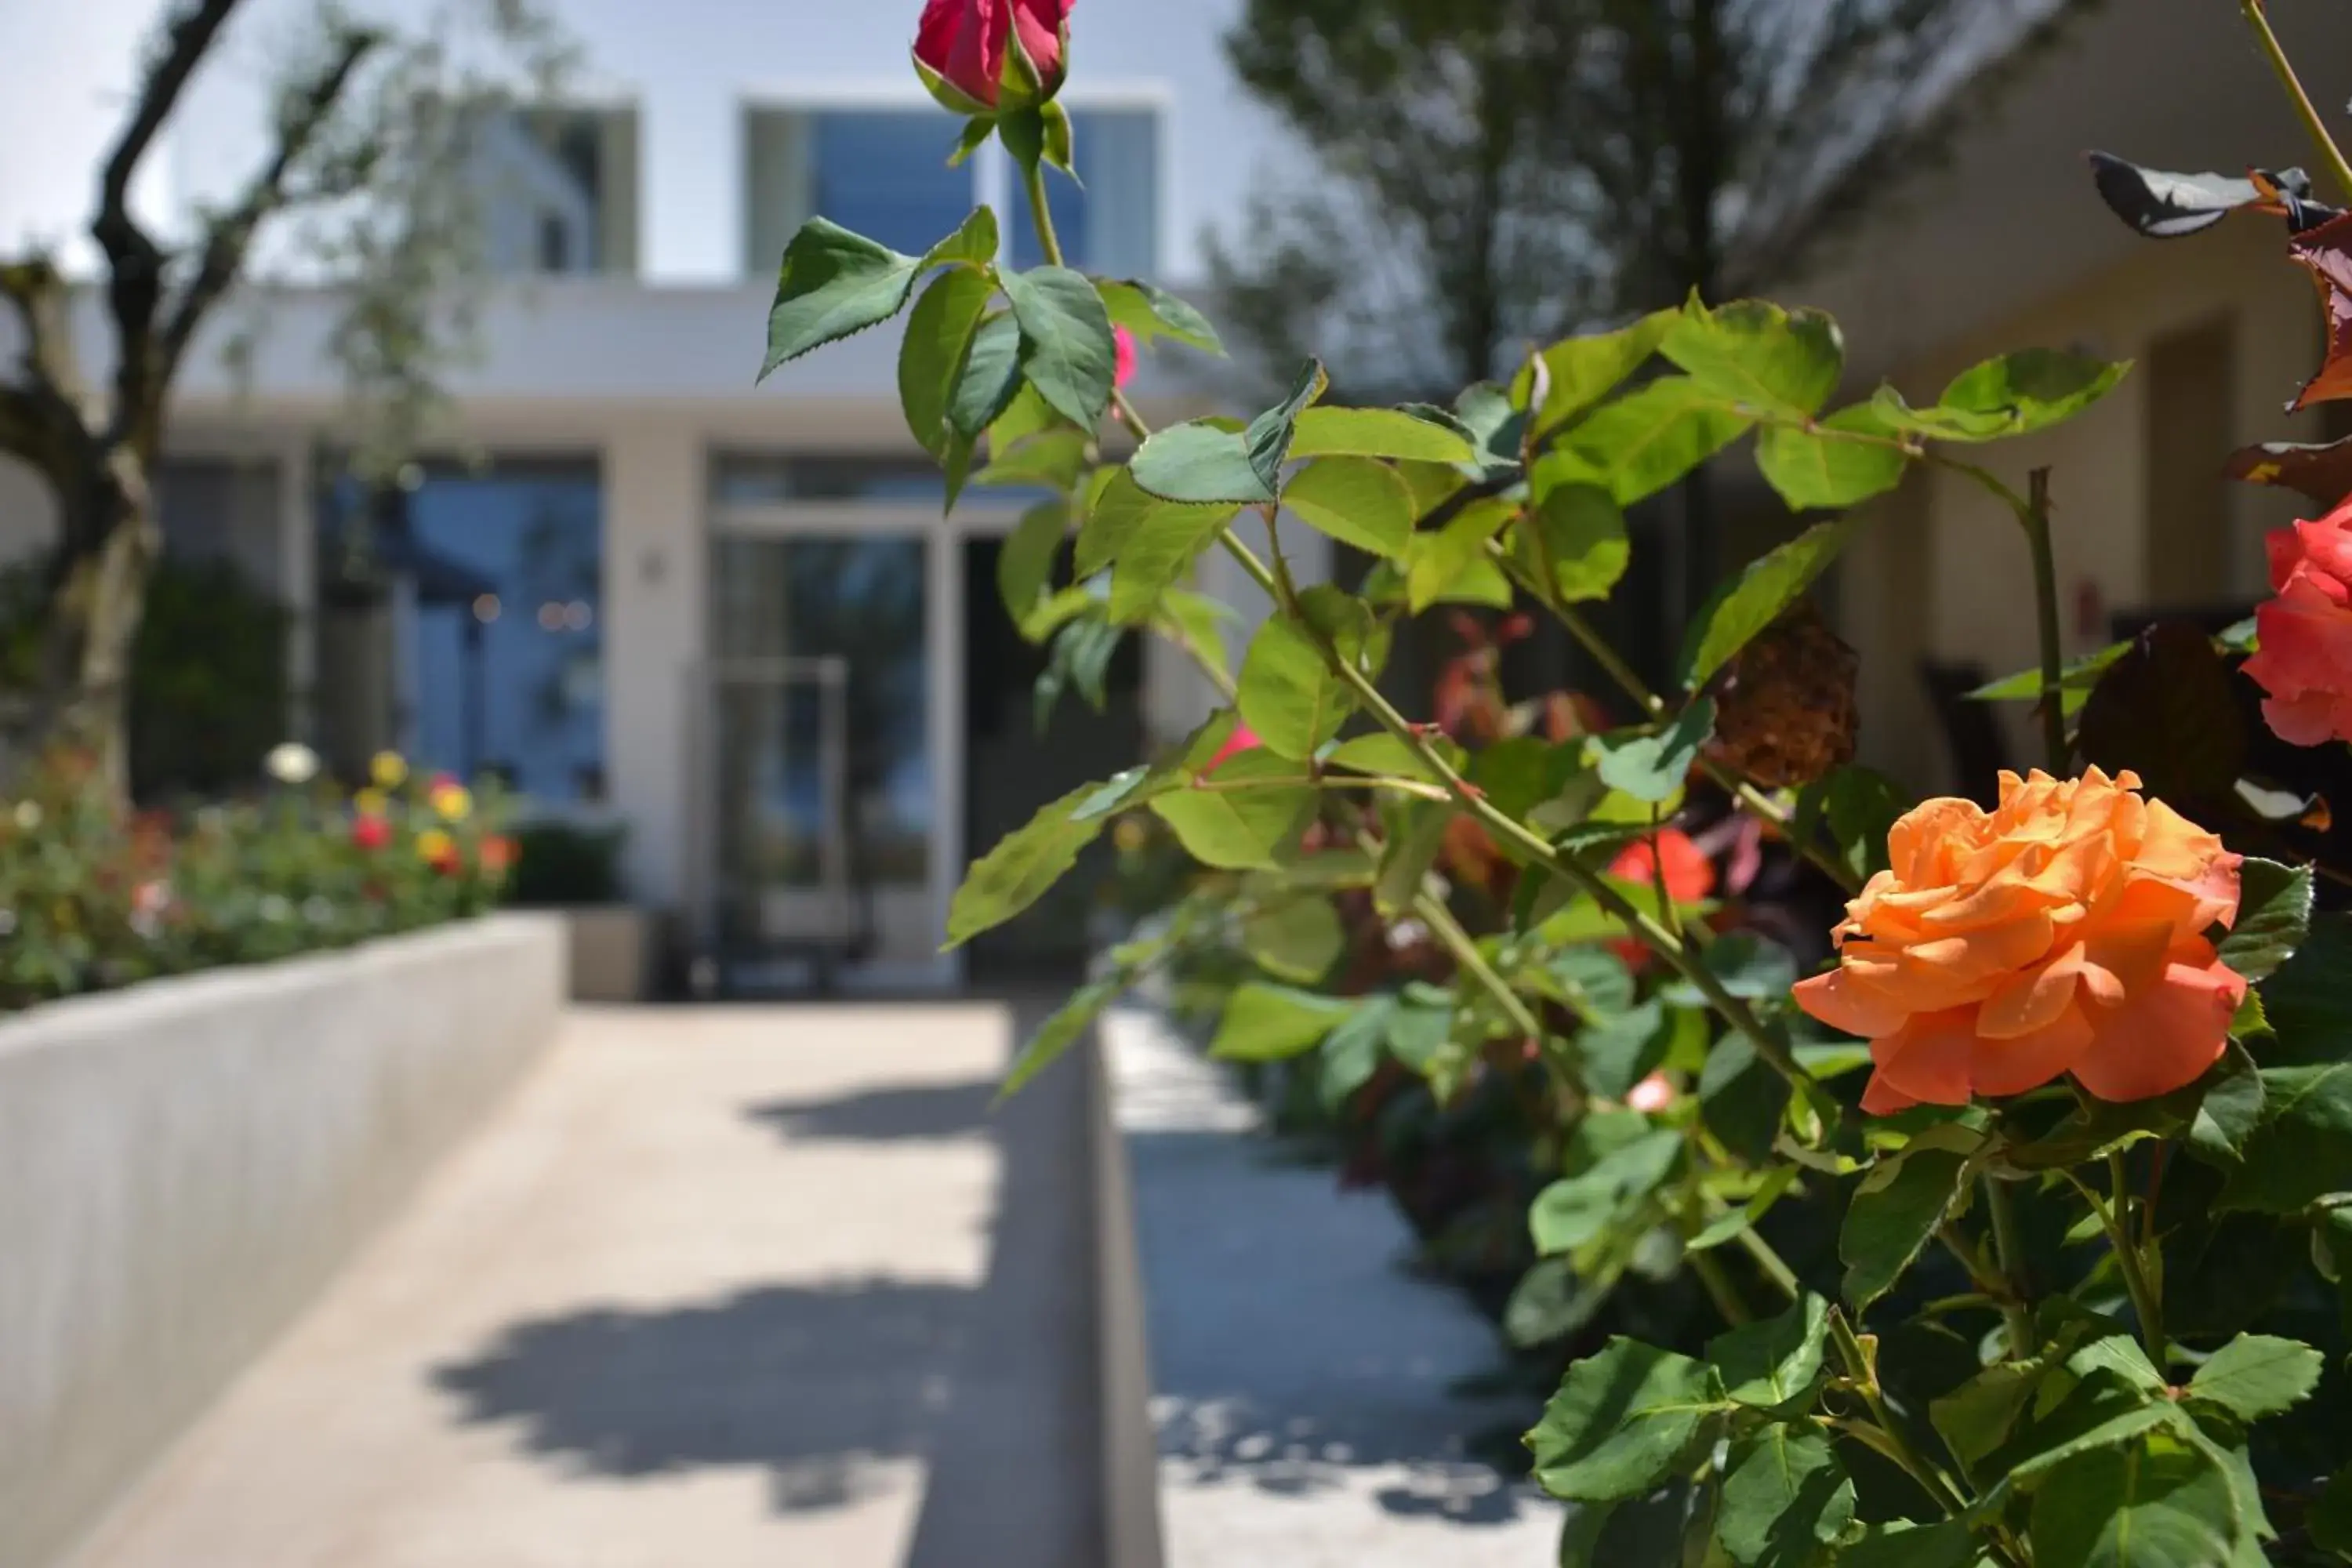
pixel 435 848
pixel 389 769
pixel 372 801
pixel 453 801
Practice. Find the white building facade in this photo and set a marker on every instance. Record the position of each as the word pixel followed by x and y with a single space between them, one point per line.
pixel 731 617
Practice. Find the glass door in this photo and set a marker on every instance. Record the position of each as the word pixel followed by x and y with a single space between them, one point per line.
pixel 820 777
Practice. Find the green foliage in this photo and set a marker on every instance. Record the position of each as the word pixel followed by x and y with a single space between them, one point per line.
pixel 1596 1096
pixel 95 897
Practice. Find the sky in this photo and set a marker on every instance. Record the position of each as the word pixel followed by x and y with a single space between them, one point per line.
pixel 66 69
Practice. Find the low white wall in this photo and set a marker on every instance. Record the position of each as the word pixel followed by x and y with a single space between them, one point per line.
pixel 184 1164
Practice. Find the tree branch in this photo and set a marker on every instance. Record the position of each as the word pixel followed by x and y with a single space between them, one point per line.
pixel 134 261
pixel 229 238
pixel 40 416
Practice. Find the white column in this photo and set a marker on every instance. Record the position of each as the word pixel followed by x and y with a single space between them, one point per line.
pixel 945 656
pixel 655 568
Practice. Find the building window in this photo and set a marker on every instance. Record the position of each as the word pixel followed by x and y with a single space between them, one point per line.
pixel 1108 217
pixel 884 174
pixel 759 480
pixel 462 622
pixel 559 191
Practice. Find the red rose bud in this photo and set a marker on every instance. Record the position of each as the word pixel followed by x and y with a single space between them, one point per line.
pixel 965 50
pixel 1244 739
pixel 1126 341
pixel 371 833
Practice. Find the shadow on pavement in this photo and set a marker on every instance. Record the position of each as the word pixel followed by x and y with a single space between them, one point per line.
pixel 884 1115
pixel 991 1387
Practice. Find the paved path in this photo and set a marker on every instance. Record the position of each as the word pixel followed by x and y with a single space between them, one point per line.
pixel 1304 1381
pixel 719 1289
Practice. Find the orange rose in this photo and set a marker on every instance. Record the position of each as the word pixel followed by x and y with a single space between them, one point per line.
pixel 2063 932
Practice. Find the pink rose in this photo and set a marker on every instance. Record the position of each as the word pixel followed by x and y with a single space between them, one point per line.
pixel 2305 659
pixel 960 47
pixel 1126 341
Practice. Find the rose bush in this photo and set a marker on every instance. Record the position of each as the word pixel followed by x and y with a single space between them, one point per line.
pixel 2021 1236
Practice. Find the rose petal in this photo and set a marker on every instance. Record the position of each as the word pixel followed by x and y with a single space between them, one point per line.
pixel 1853 1006
pixel 2029 1061
pixel 2164 1038
pixel 1928 1058
pixel 1880 1097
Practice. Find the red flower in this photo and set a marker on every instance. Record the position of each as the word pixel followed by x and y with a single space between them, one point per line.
pixel 960 47
pixel 498 854
pixel 371 833
pixel 1689 875
pixel 2305 659
pixel 1126 341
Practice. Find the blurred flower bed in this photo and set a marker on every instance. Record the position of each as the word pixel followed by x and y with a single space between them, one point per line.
pixel 94 897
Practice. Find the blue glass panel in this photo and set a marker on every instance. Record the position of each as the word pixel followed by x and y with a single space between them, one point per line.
pixel 886 176
pixel 1109 219
pixel 507 568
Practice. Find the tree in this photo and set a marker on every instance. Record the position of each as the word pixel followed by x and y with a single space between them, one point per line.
pixel 363 190
pixel 1515 170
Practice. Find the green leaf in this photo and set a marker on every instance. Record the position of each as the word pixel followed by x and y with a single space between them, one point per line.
pixel 1200 461
pixel 1356 501
pixel 2032 389
pixel 2159 1502
pixel 2230 1107
pixel 2330 1519
pixel 1159 550
pixel 989 379
pixel 1648 439
pixel 1976 1418
pixel 1377 433
pixel 1552 1301
pixel 1759 596
pixel 1937 423
pixel 1024 567
pixel 2105 1410
pixel 1576 1209
pixel 1755 353
pixel 1381 753
pixel 1067 351
pixel 1897 1207
pixel 1298 940
pixel 1242 830
pixel 1946 1544
pixel 1785 1497
pixel 1451 565
pixel 1270 435
pixel 1023 864
pixel 832 283
pixel 1052 460
pixel 1289 693
pixel 2076 680
pixel 1623 1048
pixel 2302 1149
pixel 2273 917
pixel 930 361
pixel 1580 372
pixel 1149 312
pixel 2257 1375
pixel 1653 767
pixel 1352 1052
pixel 1058 1033
pixel 1769 1363
pixel 1269 1023
pixel 1574 538
pixel 1198 622
pixel 1622 1420
pixel 1858 805
pixel 1818 468
pixel 1416 833
pixel 1119 511
pixel 1741 1099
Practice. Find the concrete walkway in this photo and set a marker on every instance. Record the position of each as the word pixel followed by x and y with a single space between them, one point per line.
pixel 719 1288
pixel 1305 1385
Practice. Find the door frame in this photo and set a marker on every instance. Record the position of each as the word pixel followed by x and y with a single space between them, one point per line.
pixel 978 516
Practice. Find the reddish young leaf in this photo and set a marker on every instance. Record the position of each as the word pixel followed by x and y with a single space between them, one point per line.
pixel 2326 251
